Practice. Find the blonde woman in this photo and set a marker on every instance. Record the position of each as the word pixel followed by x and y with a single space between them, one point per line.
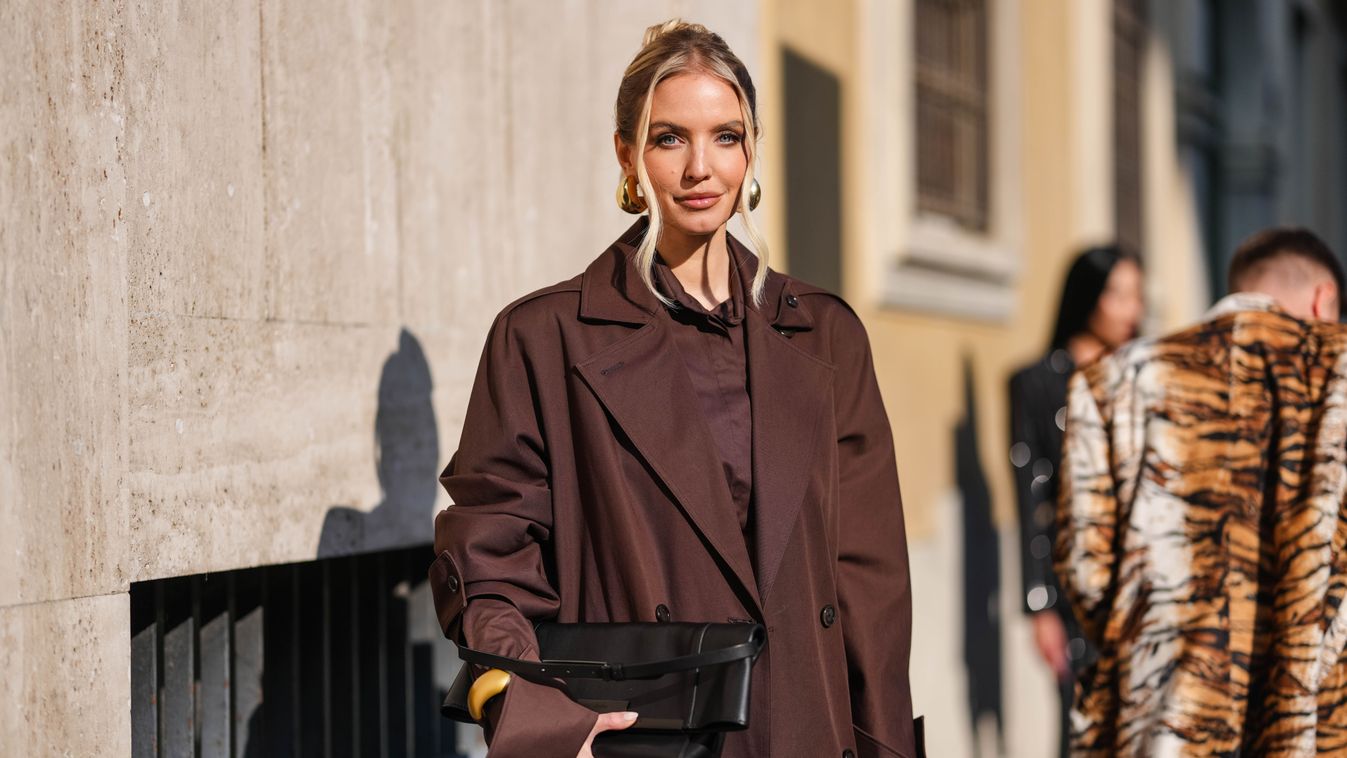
pixel 682 434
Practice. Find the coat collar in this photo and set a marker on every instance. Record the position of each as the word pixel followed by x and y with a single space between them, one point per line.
pixel 640 378
pixel 611 290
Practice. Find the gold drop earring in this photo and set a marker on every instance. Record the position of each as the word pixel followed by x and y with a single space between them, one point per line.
pixel 628 196
pixel 754 195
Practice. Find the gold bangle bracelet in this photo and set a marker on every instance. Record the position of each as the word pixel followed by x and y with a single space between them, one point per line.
pixel 487 686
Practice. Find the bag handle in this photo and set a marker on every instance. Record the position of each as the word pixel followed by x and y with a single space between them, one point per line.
pixel 614 672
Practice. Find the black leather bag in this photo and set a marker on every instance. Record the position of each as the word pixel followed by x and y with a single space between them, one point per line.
pixel 688 681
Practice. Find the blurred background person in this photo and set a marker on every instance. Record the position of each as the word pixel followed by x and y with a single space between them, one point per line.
pixel 1101 307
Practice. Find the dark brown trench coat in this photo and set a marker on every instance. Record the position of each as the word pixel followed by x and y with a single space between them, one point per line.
pixel 588 488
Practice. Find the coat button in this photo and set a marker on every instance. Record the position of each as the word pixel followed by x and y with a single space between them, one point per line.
pixel 792 301
pixel 453 583
pixel 828 616
pixel 848 753
pixel 662 613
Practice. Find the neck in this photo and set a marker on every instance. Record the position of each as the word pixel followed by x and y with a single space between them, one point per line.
pixel 701 263
pixel 1085 348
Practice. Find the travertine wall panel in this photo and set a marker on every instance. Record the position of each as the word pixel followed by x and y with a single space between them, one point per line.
pixel 194 160
pixel 331 232
pixel 251 438
pixel 452 155
pixel 63 239
pixel 66 684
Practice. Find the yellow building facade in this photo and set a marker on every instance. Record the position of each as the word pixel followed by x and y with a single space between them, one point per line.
pixel 1087 112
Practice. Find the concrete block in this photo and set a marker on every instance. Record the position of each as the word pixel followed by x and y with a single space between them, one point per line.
pixel 63 239
pixel 65 678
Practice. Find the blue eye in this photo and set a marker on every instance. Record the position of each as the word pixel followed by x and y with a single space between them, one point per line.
pixel 730 138
pixel 667 139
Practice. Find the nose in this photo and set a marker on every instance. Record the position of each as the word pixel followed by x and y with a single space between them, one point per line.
pixel 697 168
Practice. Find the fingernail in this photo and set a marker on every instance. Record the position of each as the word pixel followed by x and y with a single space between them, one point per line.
pixel 629 716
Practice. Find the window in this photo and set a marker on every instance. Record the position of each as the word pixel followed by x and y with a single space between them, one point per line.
pixel 952 154
pixel 956 169
pixel 1129 39
pixel 1201 85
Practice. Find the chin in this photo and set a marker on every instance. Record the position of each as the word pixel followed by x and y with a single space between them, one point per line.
pixel 696 224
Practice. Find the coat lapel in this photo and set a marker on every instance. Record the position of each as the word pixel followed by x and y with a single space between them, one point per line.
pixel 642 386
pixel 790 390
pixel 641 382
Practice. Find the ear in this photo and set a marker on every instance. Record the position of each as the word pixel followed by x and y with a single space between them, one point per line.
pixel 624 158
pixel 1325 305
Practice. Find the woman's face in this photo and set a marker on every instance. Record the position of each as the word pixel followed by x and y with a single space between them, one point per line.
pixel 1118 315
pixel 694 153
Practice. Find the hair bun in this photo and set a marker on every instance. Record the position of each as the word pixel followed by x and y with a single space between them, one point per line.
pixel 669 27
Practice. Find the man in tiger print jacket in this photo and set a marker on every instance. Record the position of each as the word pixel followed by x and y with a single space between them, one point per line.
pixel 1202 534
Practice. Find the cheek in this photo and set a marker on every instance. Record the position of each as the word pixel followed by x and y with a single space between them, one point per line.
pixel 731 168
pixel 1123 317
pixel 661 165
pixel 1110 316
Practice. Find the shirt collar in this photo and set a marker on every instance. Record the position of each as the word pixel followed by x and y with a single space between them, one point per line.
pixel 1241 301
pixel 731 311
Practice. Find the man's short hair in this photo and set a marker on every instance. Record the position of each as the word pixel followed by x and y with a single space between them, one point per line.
pixel 1269 244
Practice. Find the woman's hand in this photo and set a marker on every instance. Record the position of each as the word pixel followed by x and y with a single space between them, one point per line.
pixel 1050 637
pixel 607 722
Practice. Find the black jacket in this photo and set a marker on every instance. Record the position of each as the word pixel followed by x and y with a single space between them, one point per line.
pixel 1037 420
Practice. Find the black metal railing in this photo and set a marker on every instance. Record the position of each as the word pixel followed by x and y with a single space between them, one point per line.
pixel 341 657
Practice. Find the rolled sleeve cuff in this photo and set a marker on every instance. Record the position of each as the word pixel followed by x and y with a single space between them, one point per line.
pixel 537 720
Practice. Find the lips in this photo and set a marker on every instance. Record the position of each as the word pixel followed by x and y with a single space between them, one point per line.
pixel 699 201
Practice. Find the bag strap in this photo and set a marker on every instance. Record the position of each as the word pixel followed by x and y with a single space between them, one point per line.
pixel 613 672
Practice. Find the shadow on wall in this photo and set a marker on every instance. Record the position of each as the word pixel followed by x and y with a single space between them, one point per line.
pixel 341 656
pixel 981 580
pixel 407 462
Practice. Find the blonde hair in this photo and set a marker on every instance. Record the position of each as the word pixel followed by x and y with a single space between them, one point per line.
pixel 670 48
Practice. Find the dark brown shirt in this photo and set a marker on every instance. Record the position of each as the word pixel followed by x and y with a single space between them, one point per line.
pixel 711 343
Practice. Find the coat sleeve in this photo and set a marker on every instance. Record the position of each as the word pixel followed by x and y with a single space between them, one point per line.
pixel 873 582
pixel 1087 510
pixel 489 580
pixel 1029 411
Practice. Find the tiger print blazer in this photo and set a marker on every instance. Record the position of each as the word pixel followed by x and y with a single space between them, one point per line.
pixel 1202 539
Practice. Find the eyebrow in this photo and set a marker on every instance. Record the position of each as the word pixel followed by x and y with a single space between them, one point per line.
pixel 677 129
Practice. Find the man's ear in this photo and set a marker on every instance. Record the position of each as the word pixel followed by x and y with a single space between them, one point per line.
pixel 624 158
pixel 1326 304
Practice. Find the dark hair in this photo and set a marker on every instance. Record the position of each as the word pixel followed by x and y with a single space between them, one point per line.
pixel 1278 241
pixel 1085 282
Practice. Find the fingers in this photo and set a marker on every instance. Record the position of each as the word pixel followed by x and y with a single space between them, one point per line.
pixel 607 722
pixel 1060 665
pixel 1050 639
pixel 1053 653
pixel 613 721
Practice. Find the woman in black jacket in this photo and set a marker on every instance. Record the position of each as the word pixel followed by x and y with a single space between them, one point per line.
pixel 1101 307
